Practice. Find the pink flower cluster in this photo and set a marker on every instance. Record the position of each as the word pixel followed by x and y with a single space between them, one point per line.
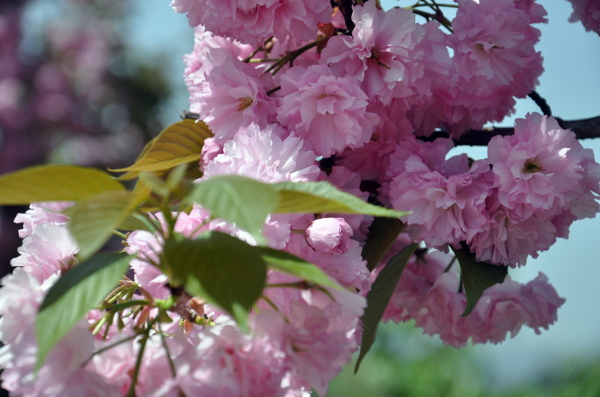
pixel 346 109
pixel 588 12
pixel 254 21
pixel 508 207
pixel 429 294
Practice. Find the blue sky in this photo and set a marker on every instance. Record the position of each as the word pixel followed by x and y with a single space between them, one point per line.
pixel 571 85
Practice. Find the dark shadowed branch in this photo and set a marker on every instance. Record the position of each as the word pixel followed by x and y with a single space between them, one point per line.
pixel 583 129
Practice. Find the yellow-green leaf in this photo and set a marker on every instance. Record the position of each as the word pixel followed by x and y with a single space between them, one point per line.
pixel 134 222
pixel 179 143
pixel 93 220
pixel 319 197
pixel 290 264
pixel 54 183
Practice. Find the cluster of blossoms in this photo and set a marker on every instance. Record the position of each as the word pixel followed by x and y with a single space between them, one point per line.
pixel 508 207
pixel 588 12
pixel 346 109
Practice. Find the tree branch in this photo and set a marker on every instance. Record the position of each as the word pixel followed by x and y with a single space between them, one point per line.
pixel 345 7
pixel 583 129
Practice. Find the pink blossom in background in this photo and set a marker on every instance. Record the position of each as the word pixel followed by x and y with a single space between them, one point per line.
pixel 318 329
pixel 269 155
pixel 329 112
pixel 503 312
pixel 588 12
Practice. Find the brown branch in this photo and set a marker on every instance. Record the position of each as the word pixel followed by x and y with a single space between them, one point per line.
pixel 541 102
pixel 345 7
pixel 583 129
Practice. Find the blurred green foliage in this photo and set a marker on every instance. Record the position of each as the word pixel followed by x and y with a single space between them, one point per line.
pixel 404 363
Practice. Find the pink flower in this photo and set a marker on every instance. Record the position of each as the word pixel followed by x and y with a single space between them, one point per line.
pixel 319 336
pixel 267 154
pixel 409 298
pixel 49 250
pixel 510 242
pixel 209 51
pixel 329 235
pixel 444 306
pixel 494 61
pixel 328 112
pixel 348 268
pixel 210 150
pixel 542 300
pixel 371 161
pixel 39 213
pixel 234 97
pixel 538 168
pixel 20 296
pixel 253 21
pixel 505 308
pixel 502 310
pixel 588 12
pixel 447 199
pixel 493 39
pixel 383 52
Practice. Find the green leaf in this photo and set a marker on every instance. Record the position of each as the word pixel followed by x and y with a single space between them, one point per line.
pixel 79 290
pixel 290 264
pixel 320 197
pixel 133 222
pixel 54 183
pixel 378 298
pixel 382 233
pixel 477 276
pixel 242 201
pixel 220 269
pixel 179 143
pixel 155 183
pixel 93 220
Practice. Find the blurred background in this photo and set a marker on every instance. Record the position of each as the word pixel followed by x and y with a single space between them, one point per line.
pixel 90 81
